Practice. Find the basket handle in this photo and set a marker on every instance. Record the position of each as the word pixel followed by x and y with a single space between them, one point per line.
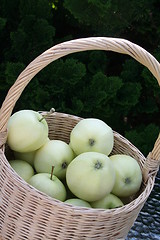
pixel 83 44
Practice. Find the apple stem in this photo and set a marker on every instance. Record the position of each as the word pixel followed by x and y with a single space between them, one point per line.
pixel 48 114
pixel 52 172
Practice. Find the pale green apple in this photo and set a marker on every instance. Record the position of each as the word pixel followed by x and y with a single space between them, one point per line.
pixel 108 202
pixel 128 175
pixel 22 168
pixel 68 191
pixel 78 202
pixel 55 153
pixel 25 156
pixel 52 187
pixel 91 135
pixel 90 176
pixel 27 131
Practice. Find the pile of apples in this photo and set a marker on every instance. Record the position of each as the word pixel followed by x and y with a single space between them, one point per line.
pixel 81 173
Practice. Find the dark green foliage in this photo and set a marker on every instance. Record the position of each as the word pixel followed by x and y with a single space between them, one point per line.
pixel 39 8
pixel 2 23
pixel 131 71
pixel 97 61
pixel 100 94
pixel 33 36
pixel 108 17
pixel 54 86
pixel 11 72
pixel 143 137
pixel 105 85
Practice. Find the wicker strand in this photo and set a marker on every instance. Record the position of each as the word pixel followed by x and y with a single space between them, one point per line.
pixel 156 149
pixel 150 167
pixel 3 138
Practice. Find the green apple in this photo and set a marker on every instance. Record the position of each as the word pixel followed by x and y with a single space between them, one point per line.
pixel 78 202
pixel 27 131
pixel 51 186
pixel 128 175
pixel 91 135
pixel 90 176
pixel 68 191
pixel 108 202
pixel 25 156
pixel 22 168
pixel 55 153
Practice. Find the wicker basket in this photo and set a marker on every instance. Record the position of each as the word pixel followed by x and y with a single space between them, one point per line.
pixel 26 213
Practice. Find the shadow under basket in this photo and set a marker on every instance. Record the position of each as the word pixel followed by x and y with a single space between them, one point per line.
pixel 26 213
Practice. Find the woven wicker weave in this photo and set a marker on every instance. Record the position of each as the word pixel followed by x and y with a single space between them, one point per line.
pixel 26 213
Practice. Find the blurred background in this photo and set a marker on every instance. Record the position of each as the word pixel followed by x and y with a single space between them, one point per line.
pixel 105 85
